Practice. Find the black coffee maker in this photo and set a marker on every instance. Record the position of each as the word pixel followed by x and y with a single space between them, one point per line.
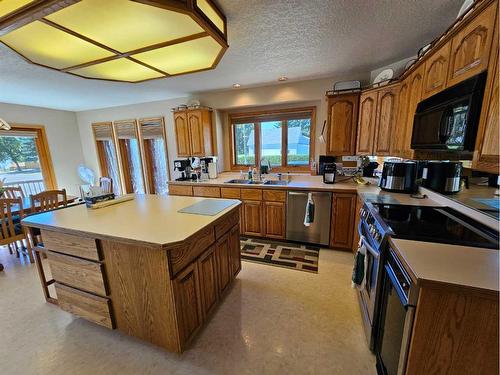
pixel 329 173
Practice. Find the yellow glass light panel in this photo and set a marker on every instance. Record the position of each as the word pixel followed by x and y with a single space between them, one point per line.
pixel 124 25
pixel 52 47
pixel 210 12
pixel 8 6
pixel 183 57
pixel 119 70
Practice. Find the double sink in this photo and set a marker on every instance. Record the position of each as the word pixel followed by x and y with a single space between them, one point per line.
pixel 251 182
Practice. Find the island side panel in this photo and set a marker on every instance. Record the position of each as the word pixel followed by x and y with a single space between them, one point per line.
pixel 141 295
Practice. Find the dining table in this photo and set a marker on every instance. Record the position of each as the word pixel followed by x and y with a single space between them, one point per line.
pixel 26 204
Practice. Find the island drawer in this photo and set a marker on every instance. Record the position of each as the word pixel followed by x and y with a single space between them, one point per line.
pixel 180 190
pixel 85 305
pixel 274 195
pixel 72 245
pixel 78 273
pixel 206 191
pixel 251 194
pixel 194 246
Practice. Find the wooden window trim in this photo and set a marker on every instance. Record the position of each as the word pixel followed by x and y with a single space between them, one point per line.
pixel 42 147
pixel 100 153
pixel 256 118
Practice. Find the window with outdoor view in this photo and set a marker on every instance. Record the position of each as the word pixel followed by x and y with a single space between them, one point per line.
pixel 283 139
pixel 24 160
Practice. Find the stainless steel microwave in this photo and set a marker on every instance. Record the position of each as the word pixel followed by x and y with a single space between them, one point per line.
pixel 449 120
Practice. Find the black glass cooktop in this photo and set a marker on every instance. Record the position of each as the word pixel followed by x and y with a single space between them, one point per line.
pixel 436 224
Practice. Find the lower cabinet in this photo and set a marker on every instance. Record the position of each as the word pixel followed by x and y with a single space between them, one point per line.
pixel 207 269
pixel 252 218
pixel 274 219
pixel 342 223
pixel 235 249
pixel 223 253
pixel 187 302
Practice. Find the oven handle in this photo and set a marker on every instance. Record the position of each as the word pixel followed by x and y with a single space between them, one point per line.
pixel 375 253
pixel 397 287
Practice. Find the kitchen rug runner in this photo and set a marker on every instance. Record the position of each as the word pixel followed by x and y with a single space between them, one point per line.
pixel 281 254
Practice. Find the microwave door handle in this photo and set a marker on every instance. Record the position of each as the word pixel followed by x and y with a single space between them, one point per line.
pixel 444 125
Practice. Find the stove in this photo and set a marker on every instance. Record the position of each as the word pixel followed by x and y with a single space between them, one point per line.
pixel 436 224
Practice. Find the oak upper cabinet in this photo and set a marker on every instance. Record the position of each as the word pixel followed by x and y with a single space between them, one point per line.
pixel 414 96
pixel 342 223
pixel 252 218
pixel 342 124
pixel 385 120
pixel 486 156
pixel 193 132
pixel 366 125
pixel 399 128
pixel 436 71
pixel 274 217
pixel 182 134
pixel 187 297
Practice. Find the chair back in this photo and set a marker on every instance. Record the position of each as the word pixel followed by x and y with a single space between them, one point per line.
pixel 12 192
pixel 7 206
pixel 106 184
pixel 48 200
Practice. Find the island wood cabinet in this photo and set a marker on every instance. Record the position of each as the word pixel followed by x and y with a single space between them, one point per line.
pixel 159 294
pixel 377 120
pixel 342 222
pixel 341 124
pixel 193 132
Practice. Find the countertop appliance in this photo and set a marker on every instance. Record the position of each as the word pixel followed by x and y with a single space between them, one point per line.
pixel 449 120
pixel 442 176
pixel 184 167
pixel 399 176
pixel 329 173
pixel 398 299
pixel 318 232
pixel 323 160
pixel 373 234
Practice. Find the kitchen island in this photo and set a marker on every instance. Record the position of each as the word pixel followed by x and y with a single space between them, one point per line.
pixel 141 266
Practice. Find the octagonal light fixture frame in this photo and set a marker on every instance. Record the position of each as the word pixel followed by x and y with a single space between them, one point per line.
pixel 38 10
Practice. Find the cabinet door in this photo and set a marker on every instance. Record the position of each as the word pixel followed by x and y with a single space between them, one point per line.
pixel 223 253
pixel 209 290
pixel 252 218
pixel 341 235
pixel 274 218
pixel 366 125
pixel 182 134
pixel 235 249
pixel 386 116
pixel 436 71
pixel 342 123
pixel 357 219
pixel 486 157
pixel 187 302
pixel 196 133
pixel 415 94
pixel 401 119
pixel 470 48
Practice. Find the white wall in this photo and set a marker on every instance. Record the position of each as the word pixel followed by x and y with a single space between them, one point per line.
pixel 397 66
pixel 62 135
pixel 288 94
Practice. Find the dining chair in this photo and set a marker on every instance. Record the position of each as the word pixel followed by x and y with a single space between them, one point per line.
pixel 13 192
pixel 48 200
pixel 11 232
pixel 106 184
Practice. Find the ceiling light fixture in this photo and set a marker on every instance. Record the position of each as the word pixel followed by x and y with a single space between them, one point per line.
pixel 282 78
pixel 236 86
pixel 117 40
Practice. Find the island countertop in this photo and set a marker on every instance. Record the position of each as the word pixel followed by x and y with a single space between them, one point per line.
pixel 147 219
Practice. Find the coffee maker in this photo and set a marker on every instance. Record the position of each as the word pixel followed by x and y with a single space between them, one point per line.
pixel 184 167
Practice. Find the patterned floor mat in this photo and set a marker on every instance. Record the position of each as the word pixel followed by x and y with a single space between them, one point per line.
pixel 281 254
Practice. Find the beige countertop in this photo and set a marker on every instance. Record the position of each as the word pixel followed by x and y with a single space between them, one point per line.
pixel 450 264
pixel 148 219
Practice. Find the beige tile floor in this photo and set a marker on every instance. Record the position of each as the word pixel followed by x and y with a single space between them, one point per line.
pixel 272 321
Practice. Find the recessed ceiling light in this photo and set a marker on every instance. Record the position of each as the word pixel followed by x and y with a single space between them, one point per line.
pixel 236 86
pixel 282 78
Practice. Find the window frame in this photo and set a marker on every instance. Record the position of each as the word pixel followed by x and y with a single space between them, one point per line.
pixel 271 115
pixel 42 146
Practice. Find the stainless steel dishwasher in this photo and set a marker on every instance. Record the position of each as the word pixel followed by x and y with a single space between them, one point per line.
pixel 319 230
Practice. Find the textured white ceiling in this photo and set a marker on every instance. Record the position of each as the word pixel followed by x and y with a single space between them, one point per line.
pixel 268 38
